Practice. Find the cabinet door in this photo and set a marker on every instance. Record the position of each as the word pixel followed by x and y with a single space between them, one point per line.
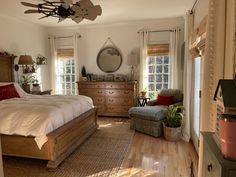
pixel 211 167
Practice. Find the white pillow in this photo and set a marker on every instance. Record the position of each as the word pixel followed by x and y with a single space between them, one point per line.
pixel 19 90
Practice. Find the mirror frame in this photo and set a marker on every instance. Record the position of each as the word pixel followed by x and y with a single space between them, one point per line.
pixel 105 48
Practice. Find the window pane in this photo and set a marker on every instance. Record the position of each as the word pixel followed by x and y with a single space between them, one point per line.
pixel 151 60
pixel 73 78
pixel 151 87
pixel 158 87
pixel 158 78
pixel 151 69
pixel 159 60
pixel 67 78
pixel 73 70
pixel 151 78
pixel 166 69
pixel 166 59
pixel 159 68
pixel 151 95
pixel 165 78
pixel 67 62
pixel 165 86
pixel 68 70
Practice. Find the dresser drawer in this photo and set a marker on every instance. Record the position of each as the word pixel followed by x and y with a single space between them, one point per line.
pixel 99 101
pixel 120 101
pixel 120 93
pixel 119 86
pixel 117 109
pixel 91 86
pixel 92 92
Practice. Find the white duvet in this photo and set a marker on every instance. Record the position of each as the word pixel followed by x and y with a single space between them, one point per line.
pixel 39 115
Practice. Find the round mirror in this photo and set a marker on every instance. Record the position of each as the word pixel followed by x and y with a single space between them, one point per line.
pixel 109 59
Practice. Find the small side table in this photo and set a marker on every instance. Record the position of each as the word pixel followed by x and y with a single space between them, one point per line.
pixel 45 92
pixel 142 101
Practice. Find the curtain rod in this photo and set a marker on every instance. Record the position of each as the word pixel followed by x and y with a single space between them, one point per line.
pixel 60 37
pixel 157 31
pixel 191 11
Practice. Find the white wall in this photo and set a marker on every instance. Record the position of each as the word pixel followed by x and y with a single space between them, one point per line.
pixel 124 35
pixel 19 38
pixel 200 11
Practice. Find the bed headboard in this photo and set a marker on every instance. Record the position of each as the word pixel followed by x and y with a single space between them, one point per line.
pixel 6 67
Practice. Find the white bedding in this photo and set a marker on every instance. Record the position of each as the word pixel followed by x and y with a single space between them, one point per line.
pixel 39 115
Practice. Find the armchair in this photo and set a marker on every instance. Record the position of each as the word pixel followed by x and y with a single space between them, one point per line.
pixel 149 119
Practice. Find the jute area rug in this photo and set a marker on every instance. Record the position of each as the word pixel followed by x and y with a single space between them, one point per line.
pixel 101 155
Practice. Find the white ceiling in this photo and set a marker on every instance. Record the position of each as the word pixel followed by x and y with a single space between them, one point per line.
pixel 113 11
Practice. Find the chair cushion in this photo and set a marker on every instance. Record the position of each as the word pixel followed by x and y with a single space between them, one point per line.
pixel 176 93
pixel 154 113
pixel 165 100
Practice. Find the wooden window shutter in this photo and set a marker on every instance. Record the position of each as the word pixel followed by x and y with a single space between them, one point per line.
pixel 65 53
pixel 158 49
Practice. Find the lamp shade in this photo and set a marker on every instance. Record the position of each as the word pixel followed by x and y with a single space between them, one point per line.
pixel 133 59
pixel 25 60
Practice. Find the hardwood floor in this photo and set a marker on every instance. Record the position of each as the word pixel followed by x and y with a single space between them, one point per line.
pixel 156 157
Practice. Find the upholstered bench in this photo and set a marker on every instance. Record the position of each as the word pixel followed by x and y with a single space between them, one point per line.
pixel 148 119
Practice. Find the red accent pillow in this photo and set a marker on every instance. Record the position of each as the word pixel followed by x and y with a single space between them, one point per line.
pixel 164 100
pixel 8 91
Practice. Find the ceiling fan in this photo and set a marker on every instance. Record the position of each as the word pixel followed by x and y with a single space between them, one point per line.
pixel 82 9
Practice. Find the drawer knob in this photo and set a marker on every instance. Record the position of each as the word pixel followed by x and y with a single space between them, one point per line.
pixel 209 167
pixel 111 92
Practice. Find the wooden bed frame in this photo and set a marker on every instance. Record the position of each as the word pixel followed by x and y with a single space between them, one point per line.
pixel 61 142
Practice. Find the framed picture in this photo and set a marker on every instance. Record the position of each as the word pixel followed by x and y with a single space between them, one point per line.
pixel 119 78
pixel 41 60
pixel 109 78
pixel 100 78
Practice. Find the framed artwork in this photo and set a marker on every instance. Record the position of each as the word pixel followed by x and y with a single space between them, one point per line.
pixel 119 78
pixel 41 60
pixel 109 78
pixel 100 78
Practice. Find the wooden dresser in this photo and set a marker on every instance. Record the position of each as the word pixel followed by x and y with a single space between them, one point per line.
pixel 112 98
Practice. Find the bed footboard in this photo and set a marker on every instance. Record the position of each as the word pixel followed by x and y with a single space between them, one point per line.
pixel 61 142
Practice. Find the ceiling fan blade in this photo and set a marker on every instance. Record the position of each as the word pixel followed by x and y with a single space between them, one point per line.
pixel 29 4
pixel 94 12
pixel 85 3
pixel 43 17
pixel 31 11
pixel 77 19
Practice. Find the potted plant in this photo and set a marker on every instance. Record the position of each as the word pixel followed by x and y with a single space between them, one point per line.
pixel 36 87
pixel 172 123
pixel 26 80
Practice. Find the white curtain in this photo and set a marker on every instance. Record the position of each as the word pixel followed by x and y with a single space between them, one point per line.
pixel 53 63
pixel 76 58
pixel 143 38
pixel 187 80
pixel 174 59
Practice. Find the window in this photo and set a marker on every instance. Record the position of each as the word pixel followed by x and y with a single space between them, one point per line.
pixel 65 77
pixel 158 69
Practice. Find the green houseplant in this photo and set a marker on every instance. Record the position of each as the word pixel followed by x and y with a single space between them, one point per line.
pixel 25 81
pixel 172 123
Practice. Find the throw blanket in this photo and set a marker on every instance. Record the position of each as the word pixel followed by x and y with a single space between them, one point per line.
pixel 149 112
pixel 39 115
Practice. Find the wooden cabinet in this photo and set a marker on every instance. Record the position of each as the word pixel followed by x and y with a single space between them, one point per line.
pixel 1 168
pixel 214 164
pixel 112 98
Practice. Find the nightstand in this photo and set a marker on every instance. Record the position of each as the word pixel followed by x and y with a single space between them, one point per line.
pixel 45 92
pixel 142 101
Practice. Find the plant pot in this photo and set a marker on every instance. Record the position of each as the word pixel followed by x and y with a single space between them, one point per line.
pixel 26 88
pixel 36 88
pixel 143 94
pixel 172 133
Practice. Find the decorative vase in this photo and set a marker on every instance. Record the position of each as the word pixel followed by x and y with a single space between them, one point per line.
pixel 143 93
pixel 172 133
pixel 26 88
pixel 36 88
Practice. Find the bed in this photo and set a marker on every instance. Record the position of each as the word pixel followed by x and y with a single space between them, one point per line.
pixel 61 141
